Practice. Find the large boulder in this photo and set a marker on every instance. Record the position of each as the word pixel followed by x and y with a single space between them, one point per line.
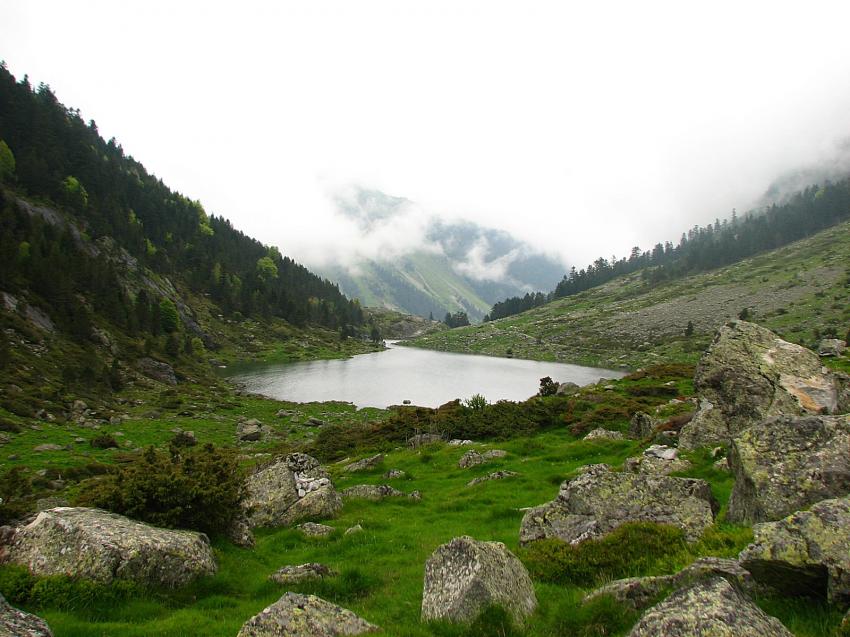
pixel 807 553
pixel 599 500
pixel 295 615
pixel 465 576
pixel 291 489
pixel 17 623
pixel 710 608
pixel 103 546
pixel 785 464
pixel 749 374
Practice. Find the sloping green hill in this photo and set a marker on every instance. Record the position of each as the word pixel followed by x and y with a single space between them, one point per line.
pixel 801 291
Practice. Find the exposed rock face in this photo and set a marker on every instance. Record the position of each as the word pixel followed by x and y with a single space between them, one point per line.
pixel 832 347
pixel 750 374
pixel 295 615
pixel 496 475
pixel 102 546
pixel 311 529
pixel 659 459
pixel 603 434
pixel 372 492
pixel 301 573
pixel 365 464
pixel 641 426
pixel 784 464
pixel 640 592
pixel 806 553
pixel 17 623
pixel 421 440
pixel 710 608
pixel 157 370
pixel 599 500
pixel 465 576
pixel 288 491
pixel 473 458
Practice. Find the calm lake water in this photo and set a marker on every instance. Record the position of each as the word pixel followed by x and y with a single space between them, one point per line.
pixel 424 377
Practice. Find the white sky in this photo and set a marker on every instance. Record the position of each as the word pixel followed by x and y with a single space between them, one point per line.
pixel 584 128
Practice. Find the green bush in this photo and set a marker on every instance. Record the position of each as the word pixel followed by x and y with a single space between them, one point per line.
pixel 630 550
pixel 196 489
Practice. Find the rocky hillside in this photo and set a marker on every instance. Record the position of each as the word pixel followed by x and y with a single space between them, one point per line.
pixel 801 291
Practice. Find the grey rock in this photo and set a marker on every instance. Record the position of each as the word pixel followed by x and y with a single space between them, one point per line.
pixel 353 529
pixel 659 459
pixel 722 464
pixel 473 458
pixel 457 442
pixel 393 474
pixel 17 623
pixel 496 475
pixel 249 430
pixel 603 434
pixel 48 447
pixel 806 553
pixel 295 615
pixel 598 500
pixel 710 608
pixel 372 492
pixel 465 576
pixel 566 388
pixel 157 370
pixel 315 422
pixel 365 464
pixel 784 464
pixel 285 413
pixel 301 573
pixel 749 374
pixel 101 546
pixel 420 440
pixel 641 425
pixel 832 347
pixel 312 529
pixel 240 534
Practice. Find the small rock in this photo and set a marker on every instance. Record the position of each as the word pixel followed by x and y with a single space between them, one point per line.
pixel 312 571
pixel 496 475
pixel 566 388
pixel 353 529
pixel 365 464
pixel 832 347
pixel 295 615
pixel 312 529
pixel 641 425
pixel 48 447
pixel 315 422
pixel 249 430
pixel 603 434
pixel 371 492
pixel 395 474
pixel 421 440
pixel 457 442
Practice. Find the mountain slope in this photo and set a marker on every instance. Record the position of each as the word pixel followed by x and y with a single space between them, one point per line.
pixel 801 291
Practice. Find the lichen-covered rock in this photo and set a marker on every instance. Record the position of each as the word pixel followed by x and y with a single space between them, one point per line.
pixel 639 592
pixel 641 425
pixel 473 458
pixel 496 475
pixel 372 492
pixel 291 489
pixel 311 529
pixel 710 608
pixel 659 459
pixel 566 388
pixel 394 474
pixel 465 576
pixel 102 546
pixel 603 434
pixel 365 464
pixel 295 615
pixel 806 553
pixel 749 374
pixel 297 574
pixel 17 623
pixel 599 500
pixel 784 464
pixel 249 430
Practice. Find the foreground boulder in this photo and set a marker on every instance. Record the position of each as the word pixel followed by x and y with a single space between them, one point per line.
pixel 749 374
pixel 785 464
pixel 465 576
pixel 710 608
pixel 807 553
pixel 599 500
pixel 103 546
pixel 291 489
pixel 17 623
pixel 295 615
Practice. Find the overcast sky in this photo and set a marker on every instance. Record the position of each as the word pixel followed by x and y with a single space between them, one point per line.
pixel 584 128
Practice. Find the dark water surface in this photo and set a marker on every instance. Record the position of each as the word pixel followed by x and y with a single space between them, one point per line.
pixel 425 377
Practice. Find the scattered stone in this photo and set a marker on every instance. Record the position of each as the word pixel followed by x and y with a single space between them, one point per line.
pixel 749 374
pixel 312 529
pixel 79 440
pixel 603 434
pixel 659 459
pixel 415 495
pixel 473 458
pixel 295 615
pixel 372 492
pixel 312 571
pixel 49 447
pixel 641 425
pixel 285 413
pixel 102 546
pixel 496 475
pixel 465 576
pixel 315 422
pixel 706 609
pixel 365 464
pixel 420 440
pixel 806 553
pixel 832 347
pixel 639 592
pixel 353 529
pixel 249 430
pixel 457 442
pixel 566 388
pixel 287 491
pixel 598 500
pixel 786 463
pixel 157 370
pixel 395 474
pixel 240 534
pixel 17 623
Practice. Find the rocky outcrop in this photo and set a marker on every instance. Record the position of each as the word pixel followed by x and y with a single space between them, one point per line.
pixel 366 464
pixel 295 615
pixel 785 464
pixel 807 553
pixel 603 434
pixel 473 458
pixel 157 370
pixel 749 374
pixel 639 592
pixel 496 475
pixel 291 489
pixel 17 623
pixel 709 608
pixel 101 546
pixel 599 500
pixel 659 459
pixel 288 575
pixel 641 426
pixel 465 576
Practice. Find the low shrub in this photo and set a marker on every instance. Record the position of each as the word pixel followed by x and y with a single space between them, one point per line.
pixel 9 426
pixel 104 441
